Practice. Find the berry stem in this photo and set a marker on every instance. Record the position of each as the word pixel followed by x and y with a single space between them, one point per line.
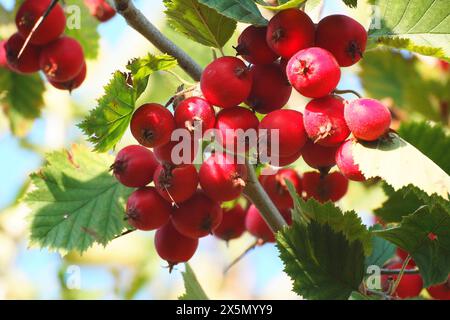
pixel 337 91
pixel 397 271
pixel 400 275
pixel 256 243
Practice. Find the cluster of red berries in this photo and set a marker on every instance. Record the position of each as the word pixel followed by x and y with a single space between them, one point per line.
pixel 100 9
pixel 59 57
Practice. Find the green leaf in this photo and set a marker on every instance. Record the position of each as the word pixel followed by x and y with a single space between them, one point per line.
pixel 194 290
pixel 426 236
pixel 422 26
pixel 382 251
pixel 400 164
pixel 106 124
pixel 351 3
pixel 239 10
pixel 285 5
pixel 199 22
pixel 76 201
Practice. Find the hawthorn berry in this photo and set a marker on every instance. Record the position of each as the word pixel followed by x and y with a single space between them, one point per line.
pixel 173 153
pixel 324 121
pixel 285 161
pixel 197 217
pixel 176 184
pixel 319 157
pixel 226 82
pixel 152 125
pixel 440 291
pixel 258 227
pixel 193 112
pixel 290 31
pixel 270 89
pixel 276 187
pixel 252 46
pixel 313 72
pixel 62 60
pixel 73 83
pixel 409 286
pixel 346 163
pixel 343 36
pixel 3 59
pixel 147 210
pixel 222 177
pixel 50 29
pixel 233 223
pixel 134 166
pixel 323 188
pixel 100 9
pixel 28 61
pixel 367 119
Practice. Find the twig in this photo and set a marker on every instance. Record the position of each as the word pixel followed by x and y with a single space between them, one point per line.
pixel 124 233
pixel 242 255
pixel 337 91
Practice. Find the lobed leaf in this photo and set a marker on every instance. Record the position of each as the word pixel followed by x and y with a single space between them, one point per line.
pixel 194 291
pixel 239 10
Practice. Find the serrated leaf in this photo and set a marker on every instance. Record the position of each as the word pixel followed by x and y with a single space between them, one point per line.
pixel 76 201
pixel 239 10
pixel 199 22
pixel 351 3
pixel 285 5
pixel 359 296
pixel 400 164
pixel 382 251
pixel 194 291
pixel 422 26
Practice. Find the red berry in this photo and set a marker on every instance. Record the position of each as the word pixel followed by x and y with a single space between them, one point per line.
pixel 71 84
pixel 270 89
pixel 233 223
pixel 440 291
pixel 285 161
pixel 193 112
pixel 319 157
pixel 3 59
pixel 313 72
pixel 134 166
pixel 228 123
pixel 258 227
pixel 252 46
pixel 164 153
pixel 292 134
pixel 324 121
pixel 152 125
pixel 276 187
pixel 410 284
pixel 172 246
pixel 222 178
pixel 402 254
pixel 368 119
pixel 290 31
pixel 28 61
pixel 146 210
pixel 343 36
pixel 100 9
pixel 197 217
pixel 346 164
pixel 62 60
pixel 323 188
pixel 226 82
pixel 176 184
pixel 51 28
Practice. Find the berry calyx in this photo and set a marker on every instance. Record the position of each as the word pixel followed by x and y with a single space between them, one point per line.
pixel 28 61
pixel 152 125
pixel 226 82
pixel 270 90
pixel 409 286
pixel 440 291
pixel 258 227
pixel 147 210
pixel 313 72
pixel 252 46
pixel 367 119
pixel 277 189
pixel 233 223
pixel 134 166
pixel 100 9
pixel 71 84
pixel 195 112
pixel 343 36
pixel 319 157
pixel 323 188
pixel 197 217
pixel 346 163
pixel 324 121
pixel 290 31
pixel 174 152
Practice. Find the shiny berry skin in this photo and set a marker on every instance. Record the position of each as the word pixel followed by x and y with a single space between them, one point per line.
pixel 285 161
pixel 402 254
pixel 71 84
pixel 410 285
pixel 176 184
pixel 28 61
pixel 197 217
pixel 230 120
pixel 319 157
pixel 172 246
pixel 100 9
pixel 257 226
pixel 193 112
pixel 51 28
pixel 367 119
pixel 152 125
pixel 147 210
pixel 173 153
pixel 290 31
pixel 331 187
pixel 324 121
pixel 276 187
pixel 134 166
pixel 440 291
pixel 346 163
pixel 226 82
pixel 313 72
pixel 270 90
pixel 252 46
pixel 292 134
pixel 233 223
pixel 3 59
pixel 344 37
pixel 62 59
pixel 222 178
